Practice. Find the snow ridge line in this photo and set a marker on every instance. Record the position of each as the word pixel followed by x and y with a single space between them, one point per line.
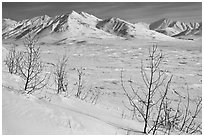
pixel 102 120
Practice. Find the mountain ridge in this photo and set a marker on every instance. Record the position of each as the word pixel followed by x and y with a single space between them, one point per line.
pixel 176 28
pixel 78 24
pixel 45 25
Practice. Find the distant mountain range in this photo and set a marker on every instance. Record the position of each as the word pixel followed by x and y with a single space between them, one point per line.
pixel 83 24
pixel 176 28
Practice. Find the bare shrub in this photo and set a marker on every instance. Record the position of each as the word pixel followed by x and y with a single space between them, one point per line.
pixel 144 104
pixel 188 110
pixel 155 104
pixel 178 117
pixel 80 85
pixel 12 60
pixel 92 95
pixel 60 73
pixel 31 68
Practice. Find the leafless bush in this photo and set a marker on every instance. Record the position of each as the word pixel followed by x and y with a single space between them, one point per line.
pixel 186 115
pixel 80 85
pixel 178 117
pixel 12 60
pixel 92 95
pixel 155 105
pixel 31 68
pixel 60 73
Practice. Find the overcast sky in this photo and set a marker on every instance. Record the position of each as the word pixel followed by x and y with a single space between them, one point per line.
pixel 133 12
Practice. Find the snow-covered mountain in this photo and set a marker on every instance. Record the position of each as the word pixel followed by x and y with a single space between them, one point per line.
pixel 73 23
pixel 123 28
pixel 24 27
pixel 176 28
pixel 78 24
pixel 7 24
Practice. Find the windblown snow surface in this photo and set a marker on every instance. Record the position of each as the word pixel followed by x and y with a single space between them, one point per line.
pixel 44 112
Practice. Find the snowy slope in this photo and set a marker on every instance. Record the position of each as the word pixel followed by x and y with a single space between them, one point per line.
pixel 7 25
pixel 22 28
pixel 123 28
pixel 23 115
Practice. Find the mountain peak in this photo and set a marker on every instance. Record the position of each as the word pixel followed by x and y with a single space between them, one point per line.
pixel 87 15
pixel 46 25
pixel 74 13
pixel 7 24
pixel 83 23
pixel 46 16
pixel 165 19
pixel 7 19
pixel 176 28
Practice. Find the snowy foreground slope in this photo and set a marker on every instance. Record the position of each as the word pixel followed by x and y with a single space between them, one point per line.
pixel 32 114
pixel 23 115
